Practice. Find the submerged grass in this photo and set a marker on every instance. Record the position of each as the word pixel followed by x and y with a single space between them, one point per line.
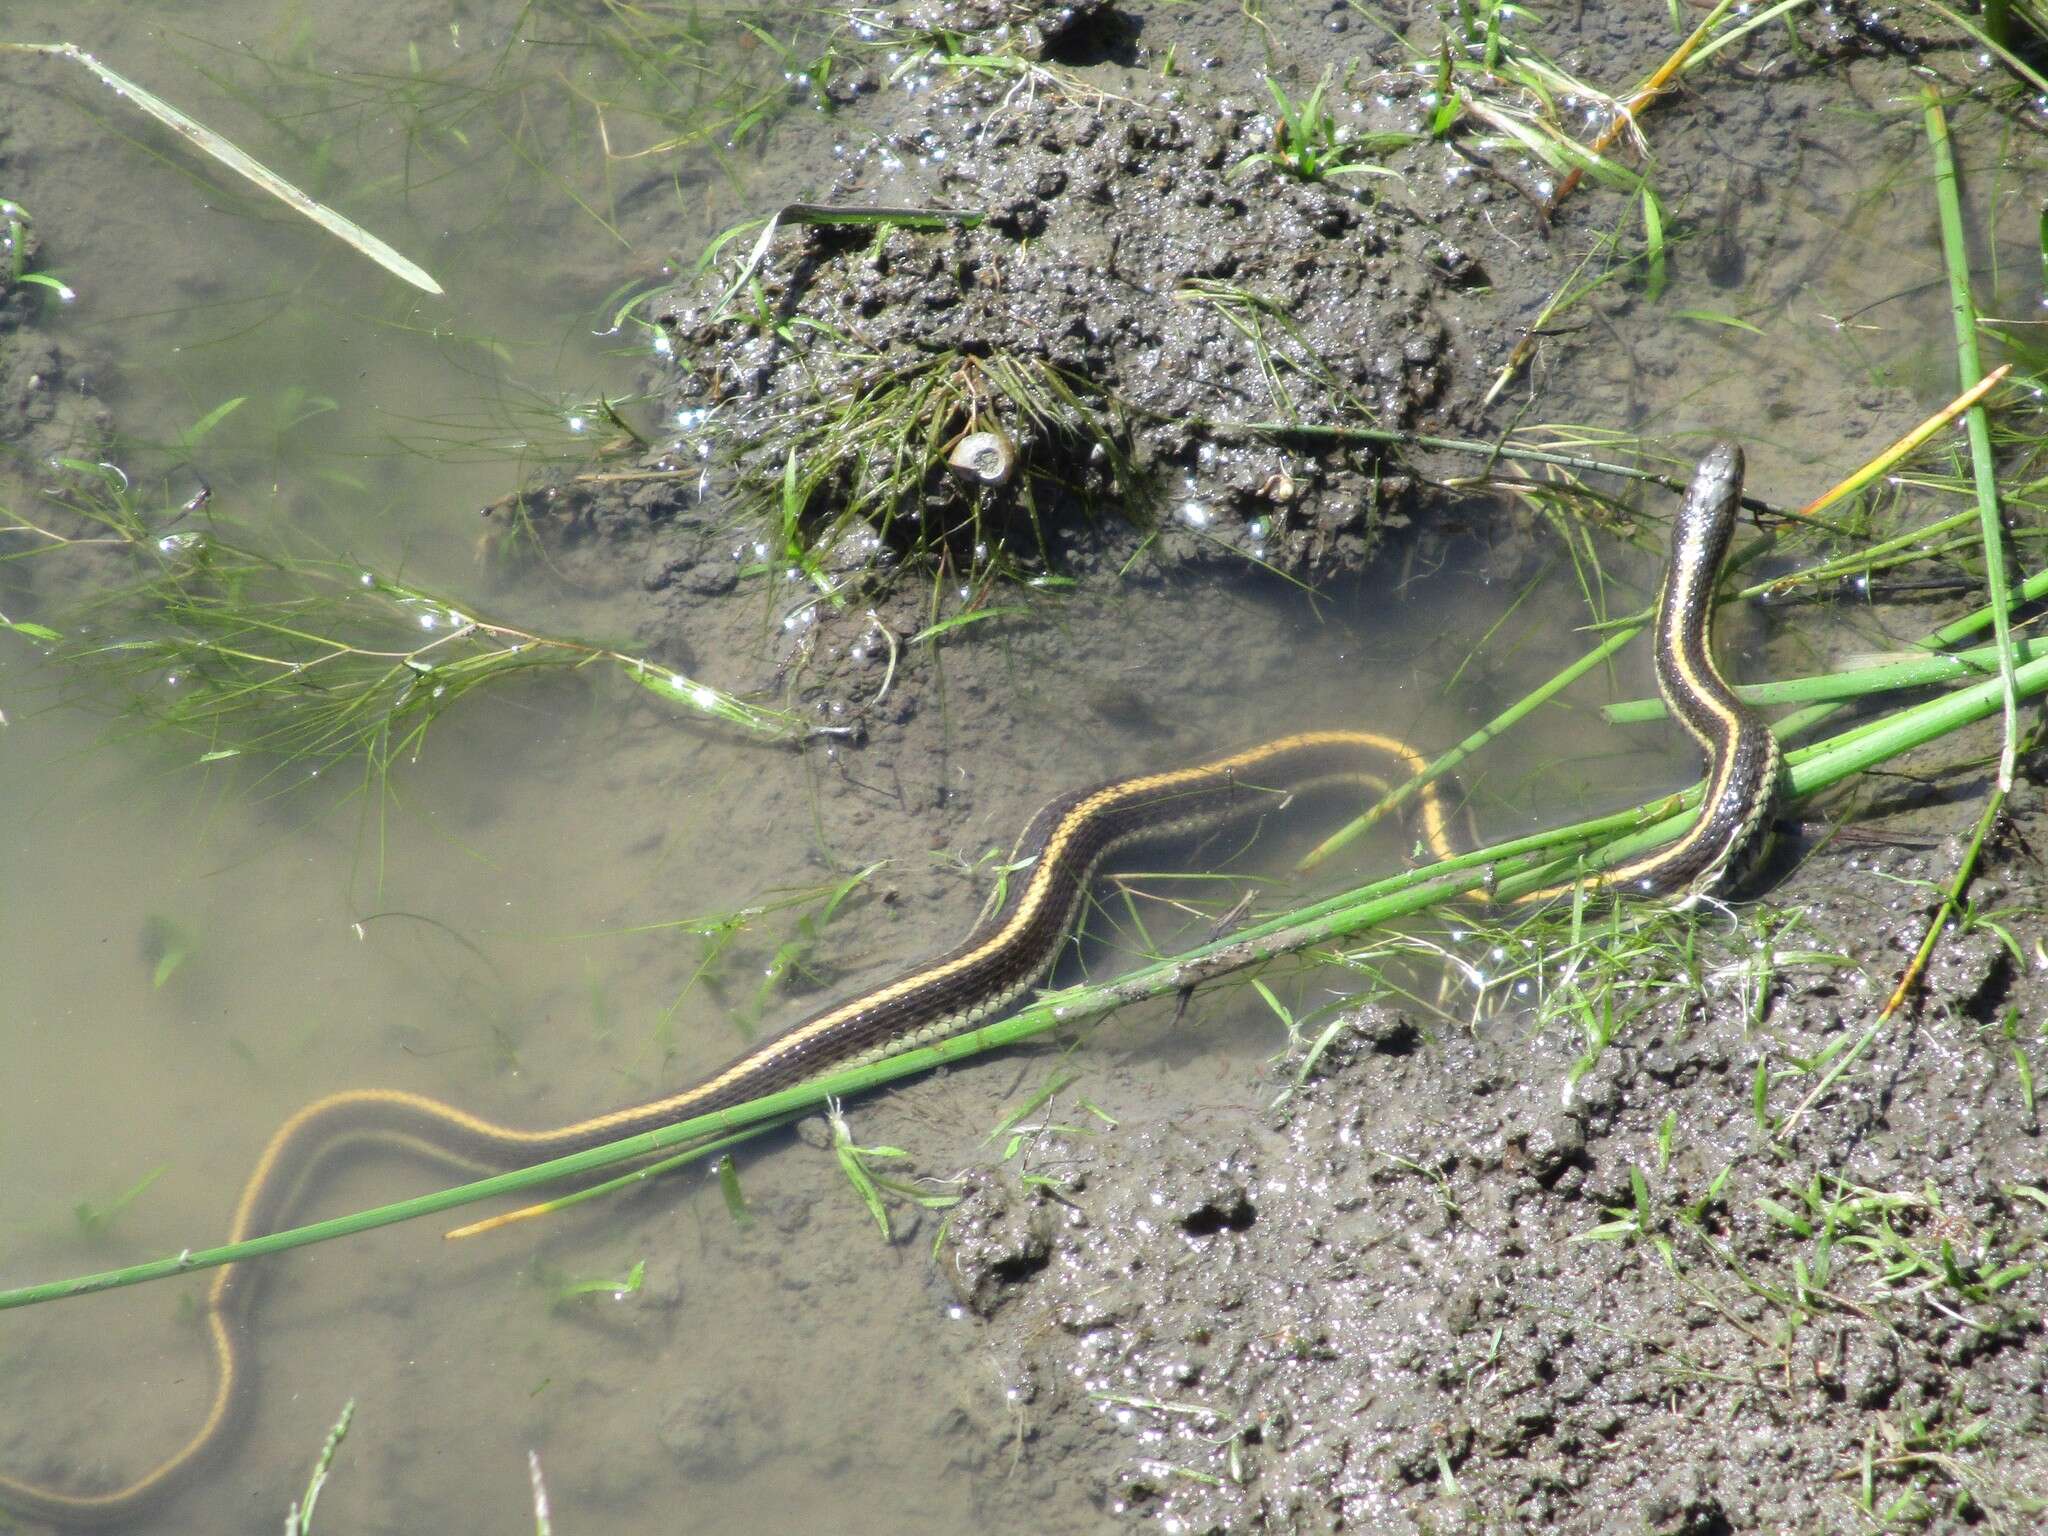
pixel 298 1521
pixel 236 159
pixel 293 663
pixel 581 108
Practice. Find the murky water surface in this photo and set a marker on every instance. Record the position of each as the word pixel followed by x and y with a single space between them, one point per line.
pixel 186 962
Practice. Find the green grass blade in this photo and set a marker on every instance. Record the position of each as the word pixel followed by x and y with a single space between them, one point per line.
pixel 1479 738
pixel 1917 672
pixel 1969 366
pixel 1716 317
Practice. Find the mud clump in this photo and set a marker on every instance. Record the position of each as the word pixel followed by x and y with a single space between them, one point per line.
pixel 50 403
pixel 1148 279
pixel 1034 29
pixel 1471 1284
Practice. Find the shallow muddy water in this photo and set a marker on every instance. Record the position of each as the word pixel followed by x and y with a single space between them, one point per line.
pixel 187 961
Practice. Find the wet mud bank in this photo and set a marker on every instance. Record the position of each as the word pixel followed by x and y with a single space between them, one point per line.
pixel 1156 315
pixel 49 402
pixel 1474 1272
pixel 1479 1269
pixel 1470 1267
pixel 1462 1278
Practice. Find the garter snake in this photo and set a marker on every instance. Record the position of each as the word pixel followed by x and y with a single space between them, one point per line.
pixel 1723 846
pixel 1007 952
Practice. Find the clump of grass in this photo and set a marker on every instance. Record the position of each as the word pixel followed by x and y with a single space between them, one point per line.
pixel 1309 146
pixel 868 466
pixel 294 663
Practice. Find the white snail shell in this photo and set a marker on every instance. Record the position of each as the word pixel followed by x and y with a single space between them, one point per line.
pixel 983 458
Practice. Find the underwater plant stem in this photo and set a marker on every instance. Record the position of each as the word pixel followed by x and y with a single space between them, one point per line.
pixel 241 162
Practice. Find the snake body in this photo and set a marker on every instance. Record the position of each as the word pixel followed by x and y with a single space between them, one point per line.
pixel 1007 953
pixel 1744 765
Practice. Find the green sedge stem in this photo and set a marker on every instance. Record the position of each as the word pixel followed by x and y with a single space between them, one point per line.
pixel 1337 917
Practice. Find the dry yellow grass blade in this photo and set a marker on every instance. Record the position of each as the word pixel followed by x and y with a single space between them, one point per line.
pixel 1905 445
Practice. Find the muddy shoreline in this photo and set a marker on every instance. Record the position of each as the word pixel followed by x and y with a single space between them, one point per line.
pixel 1468 1272
pixel 1460 1279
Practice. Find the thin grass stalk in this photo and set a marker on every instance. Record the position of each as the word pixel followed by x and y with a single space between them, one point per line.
pixel 1951 899
pixel 1525 346
pixel 2033 587
pixel 1913 544
pixel 1333 918
pixel 241 162
pixel 543 1518
pixel 1753 22
pixel 1493 452
pixel 2006 56
pixel 1645 94
pixel 1956 253
pixel 637 1176
pixel 1501 722
pixel 1875 467
pixel 1888 677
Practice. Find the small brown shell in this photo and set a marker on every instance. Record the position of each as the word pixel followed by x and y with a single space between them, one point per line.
pixel 983 458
